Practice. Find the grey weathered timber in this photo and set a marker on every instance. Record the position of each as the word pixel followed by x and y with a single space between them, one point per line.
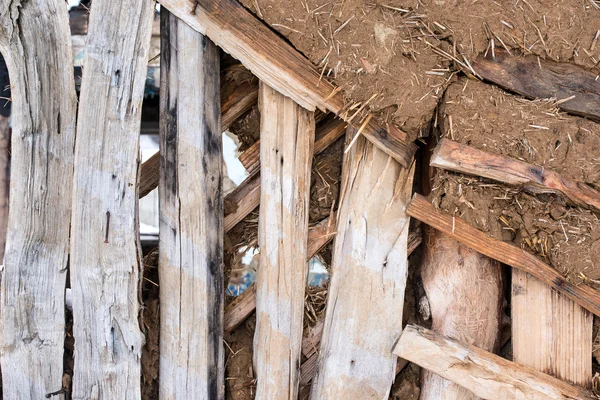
pixel 105 253
pixel 369 269
pixel 35 41
pixel 4 180
pixel 191 216
pixel 287 136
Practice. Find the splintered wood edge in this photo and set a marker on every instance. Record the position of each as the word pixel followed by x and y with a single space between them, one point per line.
pixel 478 370
pixel 506 253
pixel 458 157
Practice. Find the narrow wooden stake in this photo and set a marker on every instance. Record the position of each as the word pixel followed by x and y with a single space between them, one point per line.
pixel 506 253
pixel 32 327
pixel 105 253
pixel 191 216
pixel 576 89
pixel 279 65
pixel 287 135
pixel 459 157
pixel 464 289
pixel 369 269
pixel 550 332
pixel 487 375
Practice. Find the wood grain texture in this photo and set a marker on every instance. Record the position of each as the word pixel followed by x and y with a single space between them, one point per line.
pixel 464 290
pixel 287 135
pixel 105 252
pixel 35 41
pixel 327 133
pixel 278 64
pixel 233 106
pixel 191 216
pixel 465 159
pixel 487 375
pixel 550 332
pixel 533 77
pixel 506 253
pixel 4 181
pixel 369 270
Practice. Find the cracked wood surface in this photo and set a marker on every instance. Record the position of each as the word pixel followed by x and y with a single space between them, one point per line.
pixel 36 43
pixel 105 253
pixel 276 63
pixel 369 270
pixel 191 216
pixel 485 374
pixel 287 136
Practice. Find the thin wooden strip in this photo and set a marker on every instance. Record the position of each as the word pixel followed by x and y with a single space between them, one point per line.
pixel 550 332
pixel 327 132
pixel 369 269
pixel 233 106
pixel 278 64
pixel 32 328
pixel 462 158
pixel 245 304
pixel 487 375
pixel 4 180
pixel 105 256
pixel 576 89
pixel 506 253
pixel 191 214
pixel 287 134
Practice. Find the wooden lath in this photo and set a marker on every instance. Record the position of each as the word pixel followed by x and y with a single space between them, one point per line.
pixel 275 62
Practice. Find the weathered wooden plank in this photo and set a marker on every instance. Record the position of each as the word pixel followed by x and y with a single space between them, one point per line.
pixel 506 253
pixel 191 216
pixel 327 132
pixel 464 289
pixel 369 269
pixel 462 158
pixel 233 105
pixel 576 89
pixel 4 180
pixel 485 374
pixel 105 256
pixel 287 135
pixel 35 41
pixel 550 332
pixel 278 64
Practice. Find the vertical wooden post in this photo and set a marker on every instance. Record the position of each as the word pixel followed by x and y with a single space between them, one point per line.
pixel 4 180
pixel 287 136
pixel 549 331
pixel 36 43
pixel 105 253
pixel 366 296
pixel 464 289
pixel 191 216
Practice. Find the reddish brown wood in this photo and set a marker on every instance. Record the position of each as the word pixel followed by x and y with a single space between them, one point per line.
pixel 506 253
pixel 459 157
pixel 533 77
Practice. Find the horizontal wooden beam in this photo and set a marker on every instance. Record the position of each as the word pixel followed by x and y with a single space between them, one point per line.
pixel 278 64
pixel 465 159
pixel 233 106
pixel 506 253
pixel 487 375
pixel 576 89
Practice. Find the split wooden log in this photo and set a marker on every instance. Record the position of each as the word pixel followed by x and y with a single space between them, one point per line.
pixel 105 254
pixel 191 216
pixel 36 44
pixel 369 270
pixel 576 89
pixel 487 375
pixel 287 136
pixel 278 64
pixel 506 253
pixel 233 106
pixel 327 133
pixel 4 180
pixel 464 290
pixel 246 197
pixel 465 159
